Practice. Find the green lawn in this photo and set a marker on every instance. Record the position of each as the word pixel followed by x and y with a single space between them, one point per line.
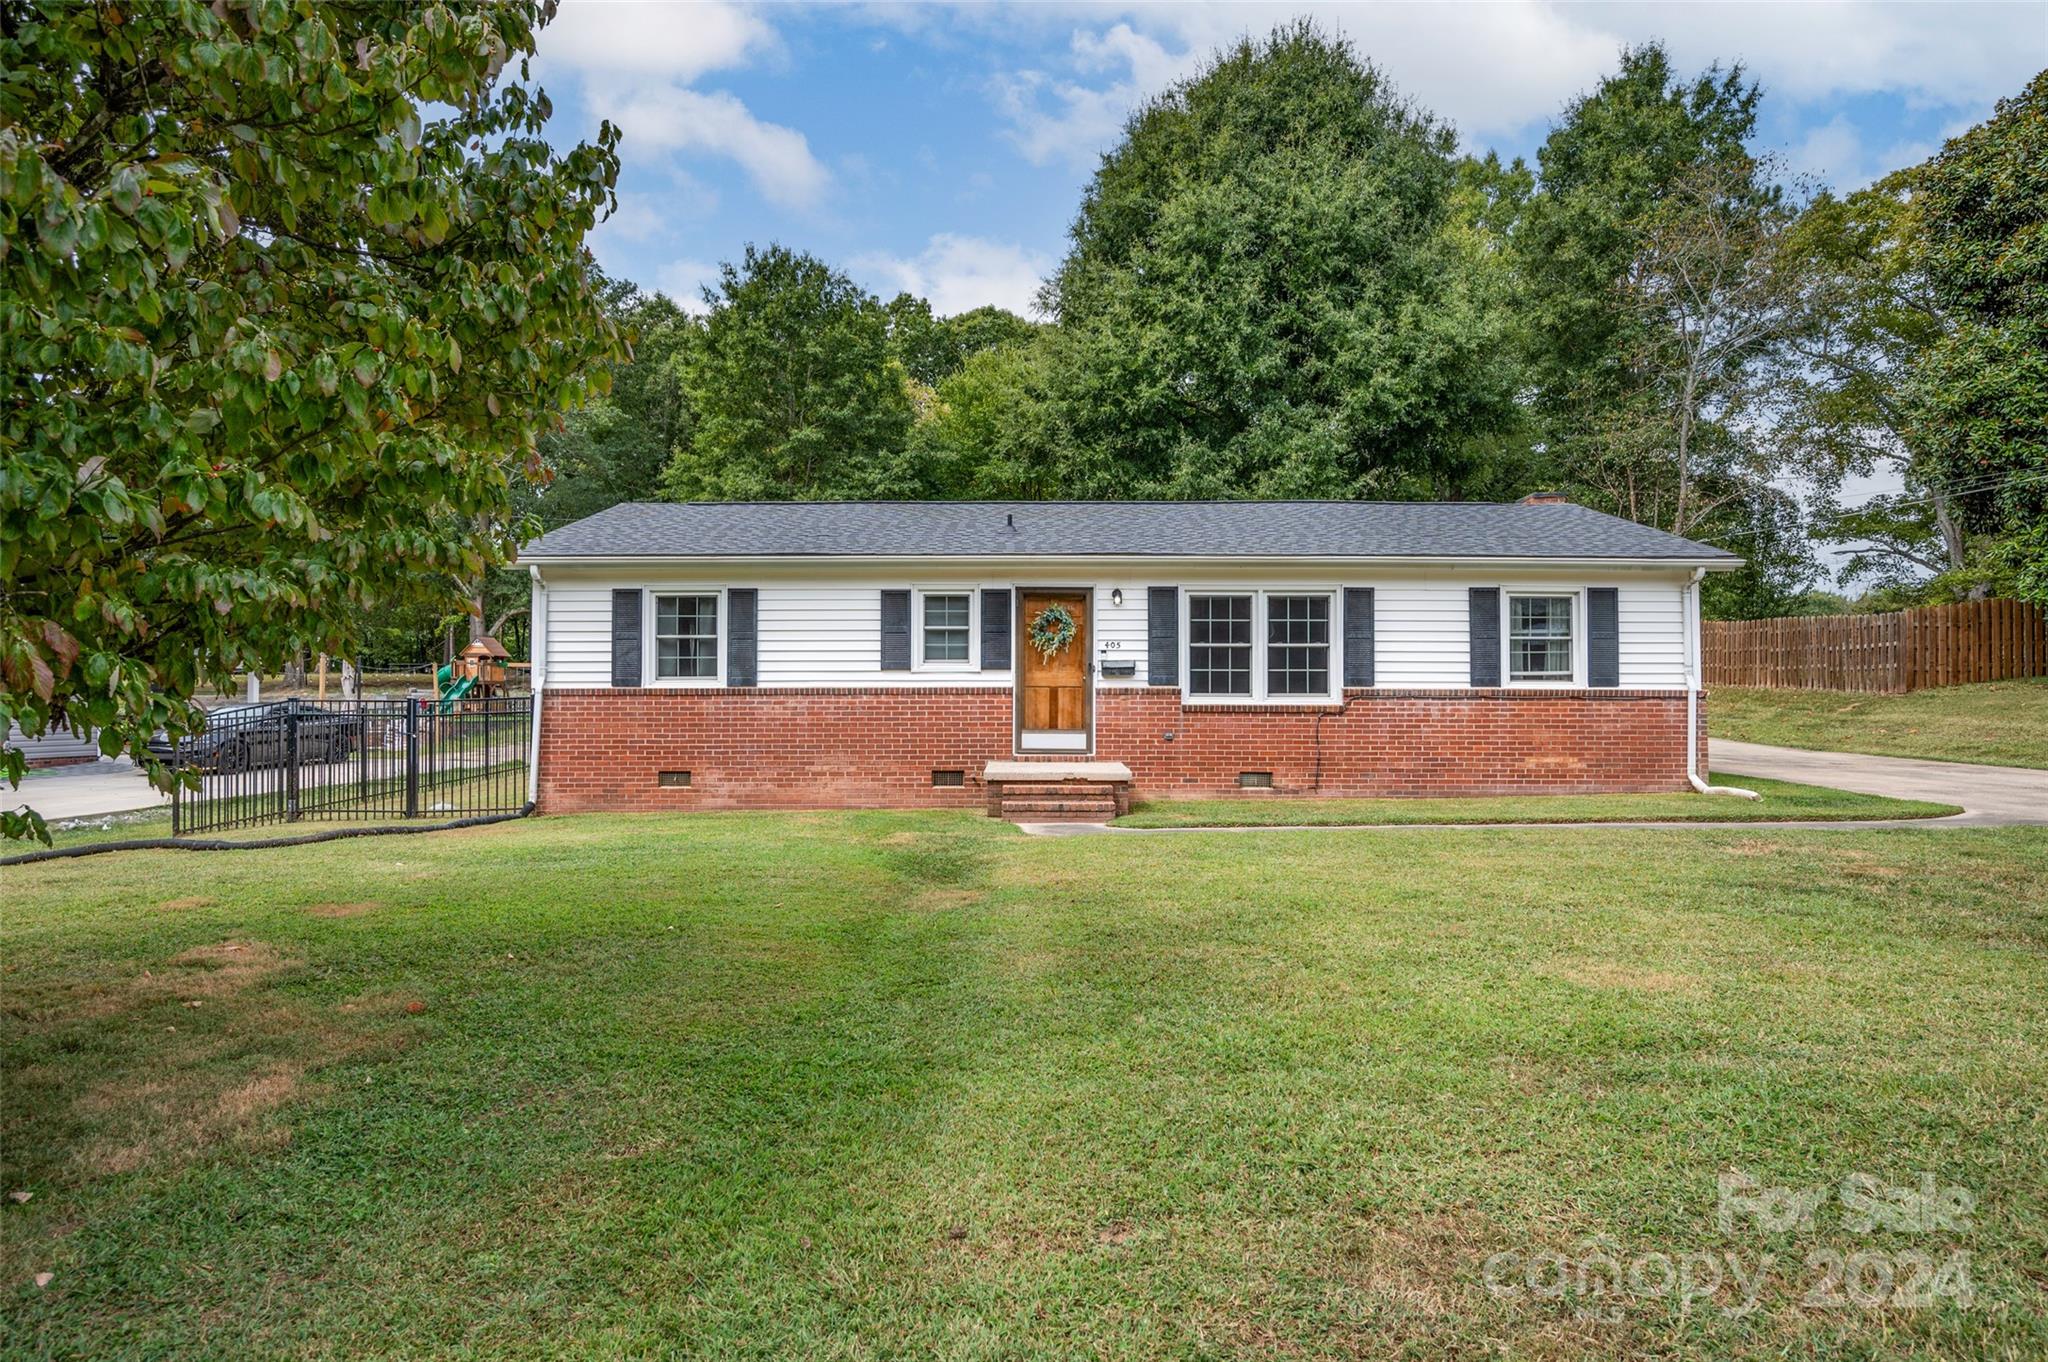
pixel 1781 800
pixel 882 1085
pixel 1999 723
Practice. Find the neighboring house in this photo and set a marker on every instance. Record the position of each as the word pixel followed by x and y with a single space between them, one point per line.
pixel 857 653
pixel 58 747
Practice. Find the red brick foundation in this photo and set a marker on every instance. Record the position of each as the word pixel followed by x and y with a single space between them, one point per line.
pixel 49 763
pixel 877 748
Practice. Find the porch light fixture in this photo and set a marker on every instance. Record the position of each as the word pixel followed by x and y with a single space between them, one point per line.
pixel 1116 595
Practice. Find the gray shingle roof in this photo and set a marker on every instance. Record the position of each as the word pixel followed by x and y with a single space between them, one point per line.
pixel 1224 529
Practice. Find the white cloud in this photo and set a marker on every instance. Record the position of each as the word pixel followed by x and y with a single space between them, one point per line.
pixel 636 63
pixel 665 117
pixel 959 273
pixel 684 282
pixel 637 218
pixel 669 41
pixel 1488 68
pixel 1836 153
pixel 1966 54
pixel 1495 69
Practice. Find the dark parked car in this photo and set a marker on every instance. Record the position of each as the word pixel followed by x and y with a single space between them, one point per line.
pixel 253 737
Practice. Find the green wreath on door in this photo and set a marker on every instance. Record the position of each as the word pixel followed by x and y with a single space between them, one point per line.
pixel 1051 630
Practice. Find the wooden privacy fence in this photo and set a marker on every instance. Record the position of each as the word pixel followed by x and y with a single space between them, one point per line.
pixel 1939 645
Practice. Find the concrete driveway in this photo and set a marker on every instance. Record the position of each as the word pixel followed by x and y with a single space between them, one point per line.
pixel 86 791
pixel 1992 795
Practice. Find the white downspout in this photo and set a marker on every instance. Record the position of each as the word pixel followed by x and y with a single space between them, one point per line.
pixel 537 632
pixel 1692 695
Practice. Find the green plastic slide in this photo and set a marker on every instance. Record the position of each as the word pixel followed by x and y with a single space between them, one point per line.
pixel 453 695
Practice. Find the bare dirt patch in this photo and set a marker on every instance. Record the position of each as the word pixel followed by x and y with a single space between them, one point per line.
pixel 356 909
pixel 217 970
pixel 180 905
pixel 1605 974
pixel 207 1057
pixel 181 1115
pixel 1863 865
pixel 939 900
pixel 1116 1234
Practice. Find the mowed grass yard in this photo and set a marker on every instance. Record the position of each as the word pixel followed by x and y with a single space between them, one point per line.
pixel 1997 723
pixel 874 1085
pixel 1777 801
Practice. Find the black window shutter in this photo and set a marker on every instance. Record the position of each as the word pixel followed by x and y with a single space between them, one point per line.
pixel 626 636
pixel 1162 636
pixel 1358 639
pixel 895 631
pixel 1603 636
pixel 995 629
pixel 1486 636
pixel 742 637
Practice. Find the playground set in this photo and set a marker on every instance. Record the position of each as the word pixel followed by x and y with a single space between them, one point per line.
pixel 478 672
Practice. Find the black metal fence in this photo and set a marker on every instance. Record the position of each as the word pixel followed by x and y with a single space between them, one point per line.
pixel 382 759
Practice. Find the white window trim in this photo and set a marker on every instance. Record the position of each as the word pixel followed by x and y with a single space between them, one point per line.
pixel 918 662
pixel 1259 695
pixel 650 650
pixel 1577 596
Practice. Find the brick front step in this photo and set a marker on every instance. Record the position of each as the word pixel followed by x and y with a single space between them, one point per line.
pixel 1104 807
pixel 1061 790
pixel 1057 791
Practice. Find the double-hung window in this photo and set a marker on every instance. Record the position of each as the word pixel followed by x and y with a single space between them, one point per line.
pixel 1259 645
pixel 1297 645
pixel 946 628
pixel 1540 638
pixel 686 637
pixel 1220 645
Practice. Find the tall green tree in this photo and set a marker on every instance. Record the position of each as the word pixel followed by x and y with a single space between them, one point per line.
pixel 1615 156
pixel 618 447
pixel 1981 397
pixel 1655 292
pixel 1871 321
pixel 288 294
pixel 1266 293
pixel 992 430
pixel 795 390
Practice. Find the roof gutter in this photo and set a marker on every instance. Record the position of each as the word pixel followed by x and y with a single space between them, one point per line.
pixel 1728 564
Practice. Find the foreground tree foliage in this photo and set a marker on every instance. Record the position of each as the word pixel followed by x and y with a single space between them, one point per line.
pixel 278 345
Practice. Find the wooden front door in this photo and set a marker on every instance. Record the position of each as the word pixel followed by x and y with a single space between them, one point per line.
pixel 1053 693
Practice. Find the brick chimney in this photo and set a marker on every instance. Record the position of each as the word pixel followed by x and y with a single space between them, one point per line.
pixel 1546 499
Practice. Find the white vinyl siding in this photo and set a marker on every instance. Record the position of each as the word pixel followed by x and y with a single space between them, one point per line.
pixel 832 636
pixel 1421 636
pixel 1652 636
pixel 59 744
pixel 579 639
pixel 1120 632
pixel 828 632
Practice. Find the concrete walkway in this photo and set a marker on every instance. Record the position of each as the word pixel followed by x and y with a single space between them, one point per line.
pixel 86 791
pixel 1992 795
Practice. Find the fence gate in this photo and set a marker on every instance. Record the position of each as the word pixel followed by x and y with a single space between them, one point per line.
pixel 385 759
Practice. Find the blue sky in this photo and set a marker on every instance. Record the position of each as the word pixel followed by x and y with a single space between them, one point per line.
pixel 943 148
